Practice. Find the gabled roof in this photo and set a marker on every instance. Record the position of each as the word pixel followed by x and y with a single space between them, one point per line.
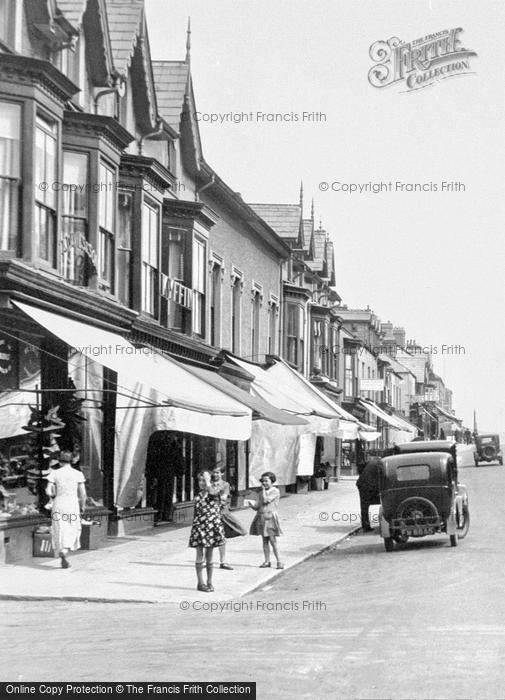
pixel 73 10
pixel 307 230
pixel 124 17
pixel 317 264
pixel 284 219
pixel 171 83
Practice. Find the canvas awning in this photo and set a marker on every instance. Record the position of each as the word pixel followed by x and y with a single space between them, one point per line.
pixel 394 421
pixel 184 401
pixel 261 409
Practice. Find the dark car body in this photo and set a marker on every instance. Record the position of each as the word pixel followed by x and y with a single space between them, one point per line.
pixel 487 449
pixel 420 493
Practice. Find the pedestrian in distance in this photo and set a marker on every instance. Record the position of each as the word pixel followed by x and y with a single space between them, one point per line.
pixel 368 487
pixel 232 527
pixel 266 521
pixel 207 531
pixel 65 485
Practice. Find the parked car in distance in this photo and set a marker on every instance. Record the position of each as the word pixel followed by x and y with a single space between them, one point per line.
pixel 487 449
pixel 421 495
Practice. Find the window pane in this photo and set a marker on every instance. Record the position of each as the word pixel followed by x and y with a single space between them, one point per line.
pixel 75 177
pixel 73 257
pixel 10 128
pixel 107 198
pixel 8 214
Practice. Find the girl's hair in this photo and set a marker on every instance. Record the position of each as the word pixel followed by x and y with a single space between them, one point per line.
pixel 218 466
pixel 270 475
pixel 66 456
pixel 204 474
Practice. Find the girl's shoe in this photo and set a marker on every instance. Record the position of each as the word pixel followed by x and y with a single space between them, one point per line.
pixel 65 564
pixel 280 565
pixel 210 588
pixel 203 588
pixel 265 565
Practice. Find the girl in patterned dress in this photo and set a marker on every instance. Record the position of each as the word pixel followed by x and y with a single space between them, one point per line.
pixel 266 520
pixel 207 530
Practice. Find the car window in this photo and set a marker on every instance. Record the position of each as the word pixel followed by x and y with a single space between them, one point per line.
pixel 413 472
pixel 486 439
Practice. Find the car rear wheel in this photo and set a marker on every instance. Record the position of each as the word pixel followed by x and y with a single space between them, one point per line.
pixel 388 544
pixel 489 453
pixel 454 540
pixel 463 522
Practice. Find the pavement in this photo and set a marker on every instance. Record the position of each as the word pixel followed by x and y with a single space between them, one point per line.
pixel 158 567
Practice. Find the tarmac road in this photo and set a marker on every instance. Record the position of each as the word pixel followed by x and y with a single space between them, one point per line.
pixel 425 621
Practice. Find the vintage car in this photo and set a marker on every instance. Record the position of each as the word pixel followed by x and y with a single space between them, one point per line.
pixel 420 493
pixel 487 449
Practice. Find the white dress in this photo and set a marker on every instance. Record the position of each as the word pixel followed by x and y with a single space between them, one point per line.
pixel 65 513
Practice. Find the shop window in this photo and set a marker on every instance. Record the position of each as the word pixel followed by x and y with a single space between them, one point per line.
pixel 20 379
pixel 150 258
pixel 45 190
pixel 75 248
pixel 107 224
pixel 124 247
pixel 10 170
pixel 199 271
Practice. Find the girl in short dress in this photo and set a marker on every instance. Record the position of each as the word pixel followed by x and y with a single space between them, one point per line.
pixel 207 530
pixel 266 520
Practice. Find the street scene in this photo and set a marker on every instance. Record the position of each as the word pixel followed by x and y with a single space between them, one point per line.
pixel 251 406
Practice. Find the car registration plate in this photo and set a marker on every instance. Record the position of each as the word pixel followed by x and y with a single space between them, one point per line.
pixel 419 531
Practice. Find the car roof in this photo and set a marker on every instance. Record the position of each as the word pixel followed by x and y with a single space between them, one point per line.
pixel 424 446
pixel 417 458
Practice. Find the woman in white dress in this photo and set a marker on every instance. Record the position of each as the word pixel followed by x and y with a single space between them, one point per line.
pixel 66 487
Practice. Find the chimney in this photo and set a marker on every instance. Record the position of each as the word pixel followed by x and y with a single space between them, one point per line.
pixel 399 336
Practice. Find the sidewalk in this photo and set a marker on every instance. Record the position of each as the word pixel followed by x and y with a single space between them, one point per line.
pixel 159 567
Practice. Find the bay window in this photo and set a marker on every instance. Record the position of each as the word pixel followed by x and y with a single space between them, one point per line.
pixel 150 258
pixel 107 221
pixel 199 272
pixel 74 237
pixel 45 190
pixel 10 167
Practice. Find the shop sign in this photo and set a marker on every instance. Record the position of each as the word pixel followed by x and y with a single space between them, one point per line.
pixel 176 292
pixel 371 385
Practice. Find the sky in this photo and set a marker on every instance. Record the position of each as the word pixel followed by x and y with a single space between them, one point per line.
pixel 429 261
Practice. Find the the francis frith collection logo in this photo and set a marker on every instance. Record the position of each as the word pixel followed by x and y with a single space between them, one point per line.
pixel 419 63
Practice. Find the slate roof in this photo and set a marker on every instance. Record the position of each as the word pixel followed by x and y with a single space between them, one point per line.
pixel 170 81
pixel 124 17
pixel 306 234
pixel 284 219
pixel 72 10
pixel 317 263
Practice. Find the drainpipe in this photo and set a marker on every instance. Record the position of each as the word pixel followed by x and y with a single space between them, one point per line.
pixel 150 135
pixel 118 87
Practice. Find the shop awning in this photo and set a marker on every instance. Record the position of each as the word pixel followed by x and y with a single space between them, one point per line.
pixel 393 421
pixel 321 419
pixel 261 409
pixel 188 403
pixel 445 413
